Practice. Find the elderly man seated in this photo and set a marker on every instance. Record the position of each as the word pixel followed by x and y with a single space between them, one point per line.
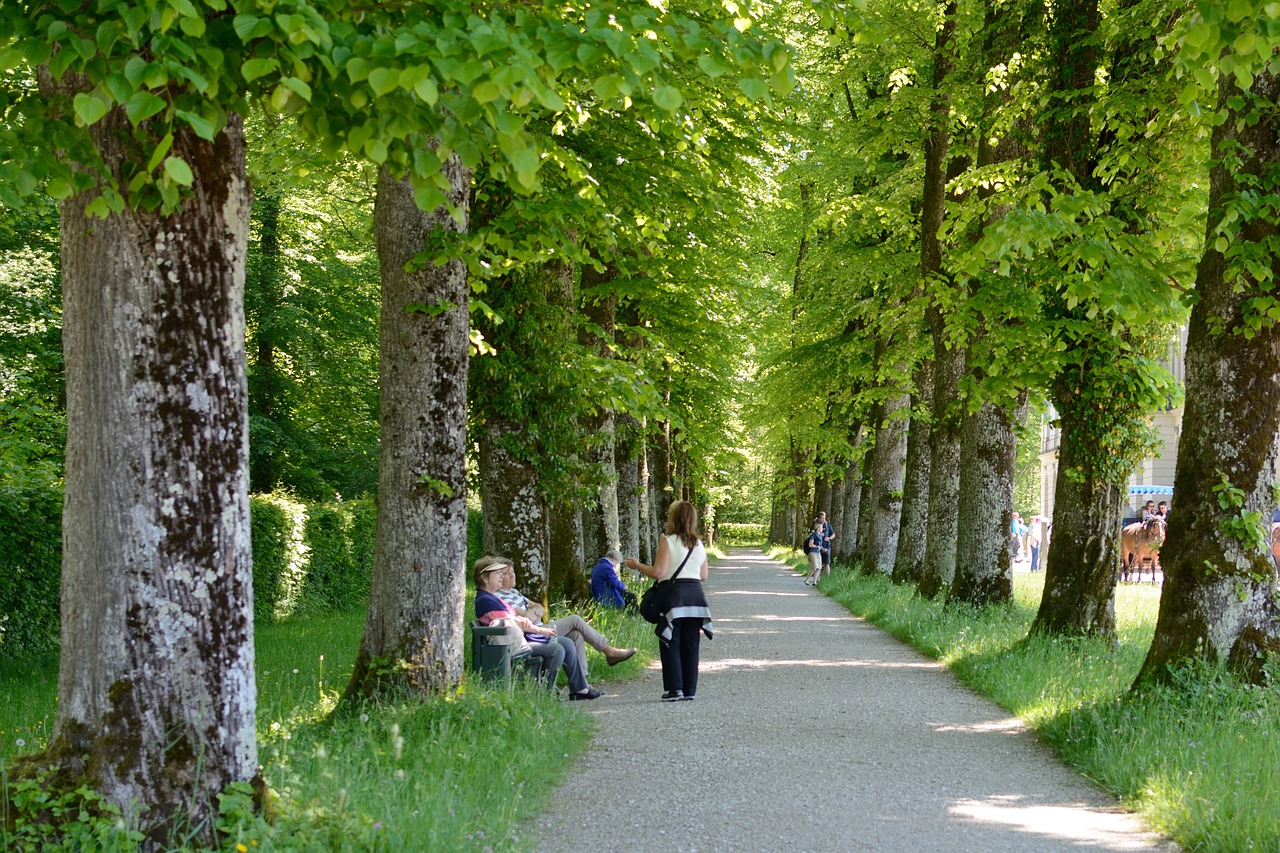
pixel 607 587
pixel 573 626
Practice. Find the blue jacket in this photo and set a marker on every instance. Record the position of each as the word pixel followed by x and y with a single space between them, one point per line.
pixel 606 586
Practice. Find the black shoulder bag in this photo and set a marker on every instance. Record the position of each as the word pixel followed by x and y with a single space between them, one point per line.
pixel 654 601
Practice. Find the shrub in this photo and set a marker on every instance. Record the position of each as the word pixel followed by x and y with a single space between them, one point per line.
pixel 310 559
pixel 30 569
pixel 733 533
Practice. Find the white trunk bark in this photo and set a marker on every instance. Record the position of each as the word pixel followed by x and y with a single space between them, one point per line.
pixel 416 600
pixel 156 684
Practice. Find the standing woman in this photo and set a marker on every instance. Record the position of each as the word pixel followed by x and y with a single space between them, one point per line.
pixel 679 629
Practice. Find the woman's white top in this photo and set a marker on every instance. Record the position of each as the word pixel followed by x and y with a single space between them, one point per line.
pixel 675 553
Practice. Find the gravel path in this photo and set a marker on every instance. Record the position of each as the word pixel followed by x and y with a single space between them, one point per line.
pixel 815 731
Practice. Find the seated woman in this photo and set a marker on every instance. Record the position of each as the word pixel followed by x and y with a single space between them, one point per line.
pixel 573 626
pixel 556 652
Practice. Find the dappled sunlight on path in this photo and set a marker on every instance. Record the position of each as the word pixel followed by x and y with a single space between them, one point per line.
pixel 814 731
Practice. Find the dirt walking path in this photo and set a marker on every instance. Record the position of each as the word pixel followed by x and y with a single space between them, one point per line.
pixel 815 731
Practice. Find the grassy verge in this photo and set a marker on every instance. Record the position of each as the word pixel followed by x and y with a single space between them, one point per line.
pixel 455 773
pixel 1201 760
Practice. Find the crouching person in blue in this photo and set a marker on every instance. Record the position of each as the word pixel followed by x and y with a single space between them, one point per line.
pixel 556 652
pixel 606 587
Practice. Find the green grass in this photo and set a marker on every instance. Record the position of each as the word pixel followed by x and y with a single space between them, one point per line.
pixel 454 773
pixel 1200 759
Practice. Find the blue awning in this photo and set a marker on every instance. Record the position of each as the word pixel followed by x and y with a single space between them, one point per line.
pixel 1151 490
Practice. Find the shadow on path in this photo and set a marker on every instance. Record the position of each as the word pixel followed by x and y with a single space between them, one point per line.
pixel 815 731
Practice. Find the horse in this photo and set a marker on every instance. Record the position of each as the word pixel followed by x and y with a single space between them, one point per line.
pixel 1140 542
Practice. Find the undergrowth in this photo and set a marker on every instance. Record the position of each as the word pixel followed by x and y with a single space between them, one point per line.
pixel 457 772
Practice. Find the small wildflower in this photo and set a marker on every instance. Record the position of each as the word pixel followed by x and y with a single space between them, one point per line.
pixel 240 848
pixel 400 774
pixel 364 718
pixel 20 743
pixel 377 826
pixel 295 670
pixel 321 752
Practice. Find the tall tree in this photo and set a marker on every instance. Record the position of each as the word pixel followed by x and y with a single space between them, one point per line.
pixel 1220 601
pixel 415 606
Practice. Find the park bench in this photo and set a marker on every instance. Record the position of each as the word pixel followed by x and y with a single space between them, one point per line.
pixel 493 654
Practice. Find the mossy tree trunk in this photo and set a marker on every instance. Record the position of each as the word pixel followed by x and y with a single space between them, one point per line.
pixel 984 560
pixel 627 446
pixel 517 522
pixel 1220 599
pixel 416 599
pixel 887 481
pixel 847 532
pixel 156 689
pixel 908 564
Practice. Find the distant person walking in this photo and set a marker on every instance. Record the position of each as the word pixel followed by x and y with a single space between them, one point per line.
pixel 1035 537
pixel 687 615
pixel 815 547
pixel 1017 529
pixel 828 533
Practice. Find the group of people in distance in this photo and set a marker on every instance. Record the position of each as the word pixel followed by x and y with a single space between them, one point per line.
pixel 561 644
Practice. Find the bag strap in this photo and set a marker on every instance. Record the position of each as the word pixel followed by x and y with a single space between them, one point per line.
pixel 687 555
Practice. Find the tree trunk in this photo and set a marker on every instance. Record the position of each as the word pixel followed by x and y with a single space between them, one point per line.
pixel 822 496
pixel 156 691
pixel 600 517
pixel 984 560
pixel 865 514
pixel 516 521
pixel 847 538
pixel 416 599
pixel 837 512
pixel 1219 597
pixel 908 564
pixel 887 482
pixel 567 559
pixel 1080 572
pixel 264 304
pixel 630 439
pixel 648 532
pixel 944 464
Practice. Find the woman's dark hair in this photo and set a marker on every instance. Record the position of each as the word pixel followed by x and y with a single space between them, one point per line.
pixel 682 520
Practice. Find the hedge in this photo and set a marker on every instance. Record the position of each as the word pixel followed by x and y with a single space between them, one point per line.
pixel 309 559
pixel 734 533
pixel 30 569
pixel 306 559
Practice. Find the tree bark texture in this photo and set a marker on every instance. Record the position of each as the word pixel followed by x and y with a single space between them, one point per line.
pixel 1220 598
pixel 419 575
pixel 627 455
pixel 848 529
pixel 887 482
pixel 156 689
pixel 836 516
pixel 944 463
pixel 1080 572
pixel 984 558
pixel 908 564
pixel 822 496
pixel 566 556
pixel 517 523
pixel 600 517
pixel 866 494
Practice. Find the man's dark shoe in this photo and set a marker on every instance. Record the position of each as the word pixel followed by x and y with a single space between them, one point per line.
pixel 589 694
pixel 672 696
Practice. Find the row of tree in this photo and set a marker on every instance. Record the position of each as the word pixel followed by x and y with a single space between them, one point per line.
pixel 1003 202
pixel 518 151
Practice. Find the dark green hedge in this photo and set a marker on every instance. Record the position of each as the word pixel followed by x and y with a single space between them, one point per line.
pixel 310 559
pixel 306 559
pixel 30 569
